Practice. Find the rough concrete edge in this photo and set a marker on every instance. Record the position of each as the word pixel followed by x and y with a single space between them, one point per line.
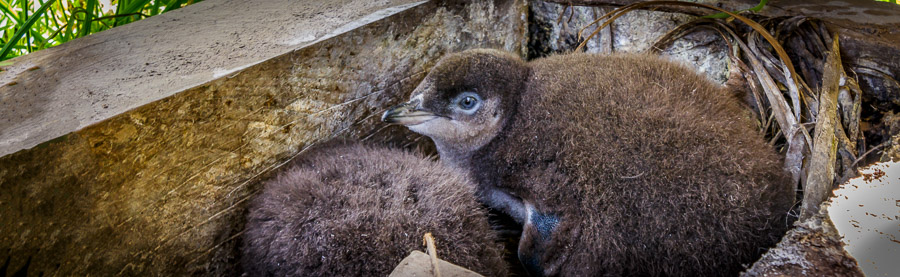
pixel 378 15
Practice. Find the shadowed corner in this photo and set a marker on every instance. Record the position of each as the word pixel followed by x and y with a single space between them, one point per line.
pixel 21 272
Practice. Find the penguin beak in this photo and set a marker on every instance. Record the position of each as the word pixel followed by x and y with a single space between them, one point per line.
pixel 407 114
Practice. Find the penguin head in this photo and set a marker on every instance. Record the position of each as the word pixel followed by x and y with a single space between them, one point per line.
pixel 463 103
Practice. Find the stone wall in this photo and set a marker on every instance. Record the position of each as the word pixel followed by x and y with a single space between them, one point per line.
pixel 554 29
pixel 162 189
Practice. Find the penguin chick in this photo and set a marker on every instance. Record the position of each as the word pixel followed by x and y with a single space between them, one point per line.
pixel 352 210
pixel 616 165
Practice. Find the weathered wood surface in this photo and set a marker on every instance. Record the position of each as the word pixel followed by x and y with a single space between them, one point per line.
pixel 161 189
pixel 419 264
pixel 59 90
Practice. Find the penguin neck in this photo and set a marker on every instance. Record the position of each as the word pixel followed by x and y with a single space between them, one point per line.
pixel 487 191
pixel 458 158
pixel 460 152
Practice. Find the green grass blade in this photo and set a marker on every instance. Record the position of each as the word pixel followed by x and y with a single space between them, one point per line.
pixel 131 7
pixel 156 7
pixel 64 15
pixel 88 18
pixel 28 33
pixel 119 8
pixel 55 20
pixel 135 6
pixel 4 7
pixel 24 28
pixel 70 25
pixel 173 5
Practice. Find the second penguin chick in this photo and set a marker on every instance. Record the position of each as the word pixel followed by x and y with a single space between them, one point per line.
pixel 615 165
pixel 352 210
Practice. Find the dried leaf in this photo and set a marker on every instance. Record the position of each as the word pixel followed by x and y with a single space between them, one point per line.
pixel 787 121
pixel 822 159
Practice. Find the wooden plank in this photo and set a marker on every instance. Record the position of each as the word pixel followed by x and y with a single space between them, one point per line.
pixel 420 264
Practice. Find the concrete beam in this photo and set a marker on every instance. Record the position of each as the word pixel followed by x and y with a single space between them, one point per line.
pixel 59 90
pixel 162 188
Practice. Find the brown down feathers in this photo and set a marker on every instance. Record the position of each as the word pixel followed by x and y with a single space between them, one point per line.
pixel 652 169
pixel 352 210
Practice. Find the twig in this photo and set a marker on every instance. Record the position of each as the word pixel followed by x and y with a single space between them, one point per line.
pixel 863 156
pixel 563 14
pixel 432 251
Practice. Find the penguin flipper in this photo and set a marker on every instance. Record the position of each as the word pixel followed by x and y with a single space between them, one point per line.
pixel 537 232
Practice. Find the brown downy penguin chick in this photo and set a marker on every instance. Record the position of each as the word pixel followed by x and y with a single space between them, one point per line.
pixel 352 210
pixel 616 165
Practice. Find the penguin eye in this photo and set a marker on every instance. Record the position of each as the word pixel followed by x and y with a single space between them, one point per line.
pixel 468 102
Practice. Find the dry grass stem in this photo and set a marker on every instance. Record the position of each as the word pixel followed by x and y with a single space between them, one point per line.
pixel 428 241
